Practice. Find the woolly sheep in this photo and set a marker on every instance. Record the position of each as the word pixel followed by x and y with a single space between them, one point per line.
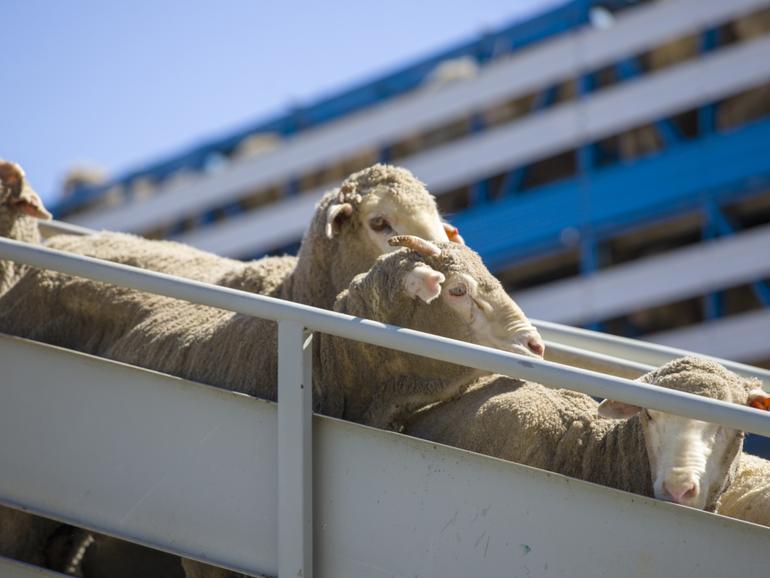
pixel 82 176
pixel 20 207
pixel 452 70
pixel 748 497
pixel 644 451
pixel 257 144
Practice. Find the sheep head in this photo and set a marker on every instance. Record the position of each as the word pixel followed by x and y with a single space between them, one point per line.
pixel 691 462
pixel 444 288
pixel 16 195
pixel 382 201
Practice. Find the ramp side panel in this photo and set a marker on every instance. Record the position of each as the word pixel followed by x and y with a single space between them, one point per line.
pixel 392 505
pixel 156 459
pixel 191 469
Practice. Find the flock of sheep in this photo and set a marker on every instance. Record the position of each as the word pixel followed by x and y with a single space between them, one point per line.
pixel 375 248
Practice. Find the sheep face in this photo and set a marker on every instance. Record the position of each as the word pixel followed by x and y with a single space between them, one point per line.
pixel 385 215
pixel 495 320
pixel 383 201
pixel 454 294
pixel 691 461
pixel 441 288
pixel 16 195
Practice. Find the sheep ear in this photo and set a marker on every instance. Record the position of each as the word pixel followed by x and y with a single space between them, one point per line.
pixel 759 399
pixel 423 282
pixel 335 215
pixel 617 409
pixel 453 233
pixel 12 177
pixel 30 204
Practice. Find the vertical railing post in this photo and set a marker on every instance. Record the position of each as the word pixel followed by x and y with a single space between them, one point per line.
pixel 295 459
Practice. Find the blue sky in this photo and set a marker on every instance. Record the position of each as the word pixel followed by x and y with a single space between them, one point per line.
pixel 117 84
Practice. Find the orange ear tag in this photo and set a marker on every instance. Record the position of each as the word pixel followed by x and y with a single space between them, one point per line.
pixel 761 403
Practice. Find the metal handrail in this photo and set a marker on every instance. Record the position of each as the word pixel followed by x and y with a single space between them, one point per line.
pixel 555 351
pixel 573 346
pixel 398 338
pixel 641 352
pixel 51 228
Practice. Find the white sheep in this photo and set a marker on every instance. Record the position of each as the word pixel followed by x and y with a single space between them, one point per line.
pixel 748 497
pixel 643 451
pixel 82 176
pixel 257 144
pixel 452 70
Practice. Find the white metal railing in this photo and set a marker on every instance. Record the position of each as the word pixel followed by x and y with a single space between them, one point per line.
pixel 51 228
pixel 641 352
pixel 742 337
pixel 535 68
pixel 294 374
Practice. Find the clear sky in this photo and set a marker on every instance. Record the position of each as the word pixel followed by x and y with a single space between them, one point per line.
pixel 118 84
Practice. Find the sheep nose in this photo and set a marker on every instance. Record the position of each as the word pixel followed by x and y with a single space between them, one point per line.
pixel 535 345
pixel 681 492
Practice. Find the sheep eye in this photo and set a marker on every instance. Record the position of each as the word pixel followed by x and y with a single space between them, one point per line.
pixel 648 414
pixel 458 290
pixel 379 224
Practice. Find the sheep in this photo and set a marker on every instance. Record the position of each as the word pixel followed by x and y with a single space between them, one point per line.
pixel 20 207
pixel 643 451
pixel 748 497
pixel 349 230
pixel 351 227
pixel 257 144
pixel 451 70
pixel 82 176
